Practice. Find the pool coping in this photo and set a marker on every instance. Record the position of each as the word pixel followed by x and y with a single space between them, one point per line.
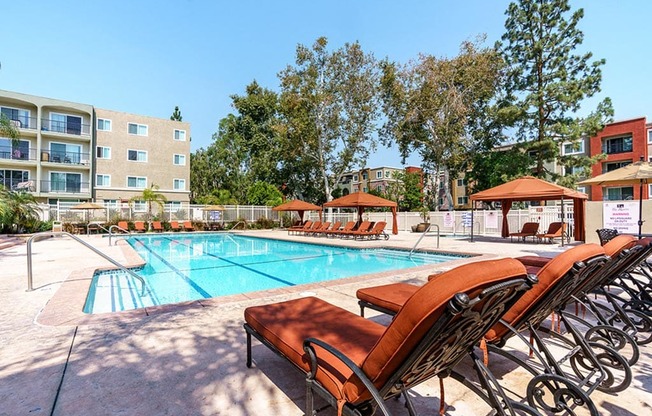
pixel 65 307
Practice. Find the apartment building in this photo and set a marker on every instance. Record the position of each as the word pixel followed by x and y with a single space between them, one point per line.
pixel 53 157
pixel 135 152
pixel 623 142
pixel 73 152
pixel 367 179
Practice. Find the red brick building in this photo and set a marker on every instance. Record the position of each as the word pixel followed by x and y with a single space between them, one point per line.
pixel 623 142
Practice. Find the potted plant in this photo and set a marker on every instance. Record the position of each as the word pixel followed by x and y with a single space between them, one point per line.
pixel 425 216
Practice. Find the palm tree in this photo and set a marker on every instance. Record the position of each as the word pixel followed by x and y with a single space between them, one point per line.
pixel 18 210
pixel 150 196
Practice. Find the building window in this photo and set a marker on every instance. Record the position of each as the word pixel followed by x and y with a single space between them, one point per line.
pixel 139 206
pixel 179 185
pixel 573 170
pixel 617 145
pixel 364 189
pixel 581 189
pixel 461 182
pixel 462 200
pixel 649 191
pixel 619 194
pixel 110 203
pixel 138 129
pixel 102 180
pixel 355 178
pixel 173 206
pixel 136 182
pixel 11 178
pixel 379 188
pixel 180 160
pixel 609 166
pixel 137 155
pixel 103 152
pixel 67 153
pixel 570 148
pixel 364 176
pixel 18 116
pixel 103 124
pixel 379 174
pixel 65 182
pixel 63 123
pixel 15 151
pixel 649 136
pixel 180 135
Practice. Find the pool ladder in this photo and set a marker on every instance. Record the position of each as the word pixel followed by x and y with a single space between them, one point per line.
pixel 423 235
pixel 44 234
pixel 114 227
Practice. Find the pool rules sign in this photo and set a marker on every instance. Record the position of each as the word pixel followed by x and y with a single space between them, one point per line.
pixel 623 216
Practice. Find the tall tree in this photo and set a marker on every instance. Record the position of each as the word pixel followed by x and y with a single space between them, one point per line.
pixel 329 112
pixel 176 115
pixel 432 104
pixel 547 81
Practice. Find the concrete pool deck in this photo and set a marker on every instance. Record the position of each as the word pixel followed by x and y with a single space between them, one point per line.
pixel 190 359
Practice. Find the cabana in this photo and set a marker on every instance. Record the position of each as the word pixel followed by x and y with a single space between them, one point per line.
pixel 529 188
pixel 300 206
pixel 362 200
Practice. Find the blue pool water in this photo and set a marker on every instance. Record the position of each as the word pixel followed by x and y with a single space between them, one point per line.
pixel 198 266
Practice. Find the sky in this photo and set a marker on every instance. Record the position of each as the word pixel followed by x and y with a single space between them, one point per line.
pixel 146 57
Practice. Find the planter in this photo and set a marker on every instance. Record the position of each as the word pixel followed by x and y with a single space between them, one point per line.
pixel 421 227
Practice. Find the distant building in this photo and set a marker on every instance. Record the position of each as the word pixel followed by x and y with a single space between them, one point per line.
pixel 73 152
pixel 623 142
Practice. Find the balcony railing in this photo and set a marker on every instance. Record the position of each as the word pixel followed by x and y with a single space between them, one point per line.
pixel 12 153
pixel 28 123
pixel 18 185
pixel 65 127
pixel 65 187
pixel 74 158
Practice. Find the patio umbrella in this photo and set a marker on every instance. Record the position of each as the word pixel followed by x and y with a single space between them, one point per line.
pixel 362 200
pixel 87 206
pixel 300 206
pixel 635 173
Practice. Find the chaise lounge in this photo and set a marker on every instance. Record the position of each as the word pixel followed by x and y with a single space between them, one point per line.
pixel 356 364
pixel 529 229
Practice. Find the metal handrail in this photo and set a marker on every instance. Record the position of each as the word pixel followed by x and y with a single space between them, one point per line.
pixel 30 286
pixel 238 223
pixel 423 235
pixel 111 228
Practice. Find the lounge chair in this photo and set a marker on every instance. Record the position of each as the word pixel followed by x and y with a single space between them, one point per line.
pixel 555 230
pixel 529 229
pixel 139 226
pixel 606 234
pixel 315 226
pixel 174 226
pixel 300 228
pixel 362 229
pixel 558 280
pixel 325 226
pixel 376 232
pixel 327 230
pixel 347 228
pixel 124 226
pixel 187 226
pixel 356 364
pixel 157 226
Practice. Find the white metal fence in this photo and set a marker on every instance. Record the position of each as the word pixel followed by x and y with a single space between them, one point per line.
pixel 487 222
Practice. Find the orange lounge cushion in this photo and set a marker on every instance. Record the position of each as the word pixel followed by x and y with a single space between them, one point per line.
pixel 287 324
pixel 391 297
pixel 424 308
pixel 536 261
pixel 549 274
pixel 619 243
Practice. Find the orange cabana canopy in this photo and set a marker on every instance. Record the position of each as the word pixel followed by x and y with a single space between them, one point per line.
pixel 362 200
pixel 299 206
pixel 529 188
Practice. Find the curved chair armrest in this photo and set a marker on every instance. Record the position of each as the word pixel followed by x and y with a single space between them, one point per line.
pixel 345 360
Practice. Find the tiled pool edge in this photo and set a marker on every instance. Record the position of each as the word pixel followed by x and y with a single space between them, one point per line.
pixel 65 307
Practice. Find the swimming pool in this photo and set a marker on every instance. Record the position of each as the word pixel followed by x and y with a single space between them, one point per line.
pixel 199 266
